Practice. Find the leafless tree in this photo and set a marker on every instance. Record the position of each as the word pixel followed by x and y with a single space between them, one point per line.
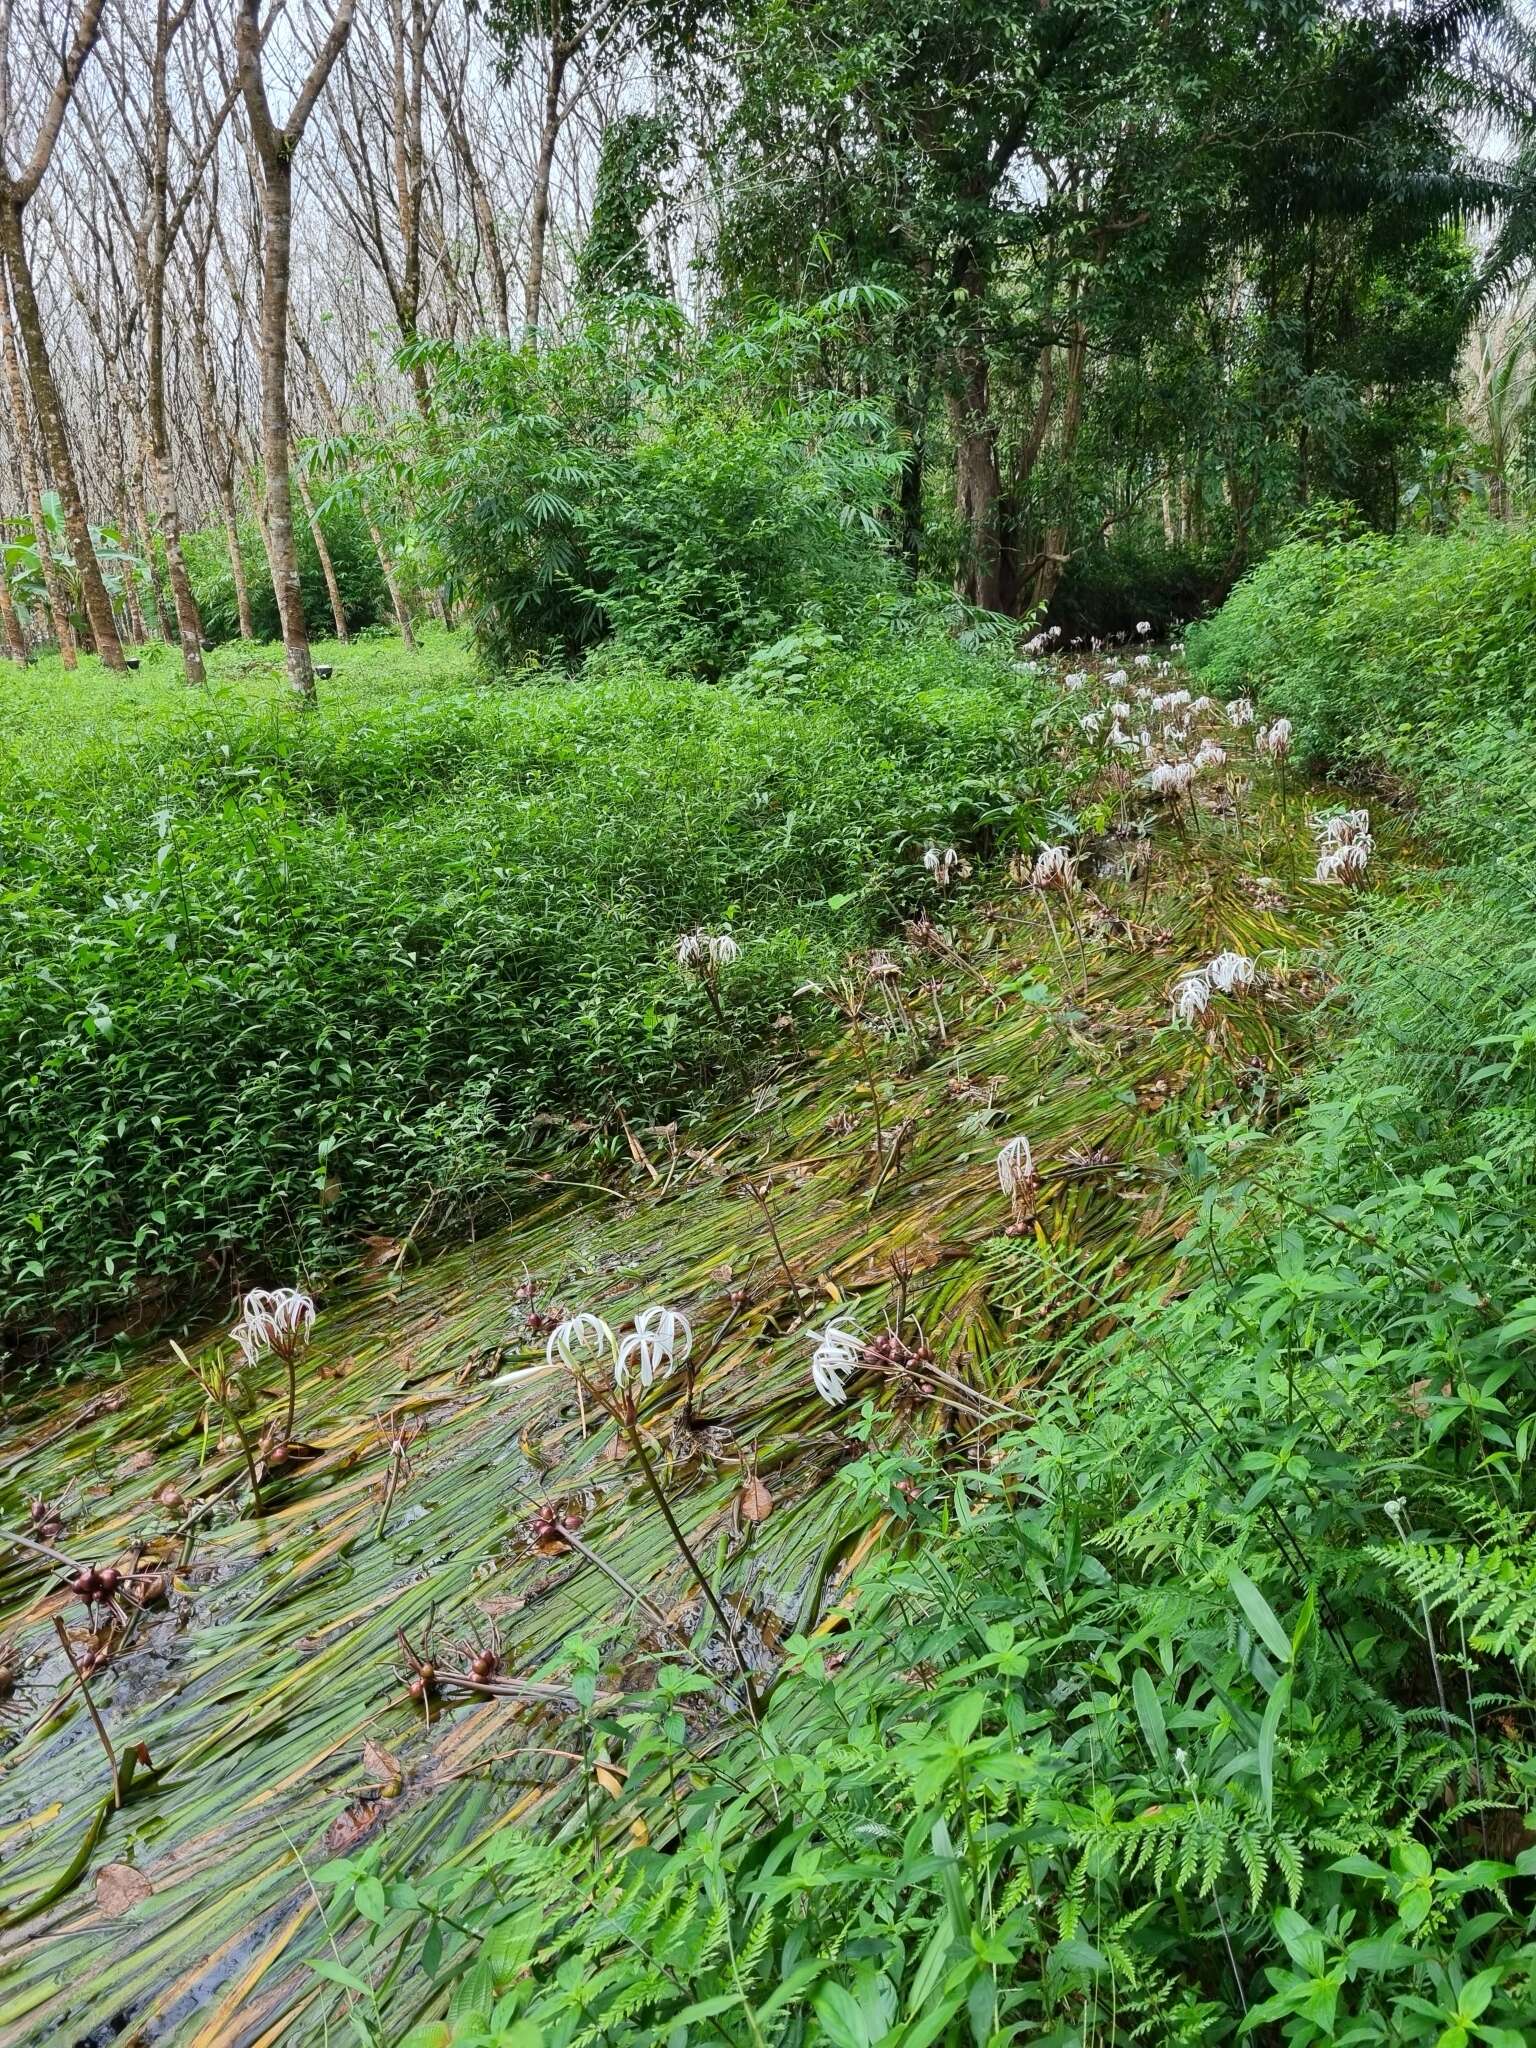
pixel 275 146
pixel 17 189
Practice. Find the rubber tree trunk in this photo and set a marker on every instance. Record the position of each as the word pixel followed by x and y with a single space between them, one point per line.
pixel 50 420
pixel 10 620
pixel 142 528
pixel 276 431
pixel 16 393
pixel 189 620
pixel 327 566
pixel 231 517
pixel 538 216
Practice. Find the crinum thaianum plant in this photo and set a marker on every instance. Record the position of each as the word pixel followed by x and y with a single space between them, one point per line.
pixel 1344 846
pixel 1019 1179
pixel 617 1372
pixel 276 1321
pixel 702 955
pixel 839 1351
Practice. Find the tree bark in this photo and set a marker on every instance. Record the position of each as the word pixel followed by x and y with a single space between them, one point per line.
pixel 58 599
pixel 231 516
pixel 276 429
pixel 275 150
pixel 978 481
pixel 145 532
pixel 560 53
pixel 327 566
pixel 1054 554
pixel 10 619
pixel 50 420
pixel 16 391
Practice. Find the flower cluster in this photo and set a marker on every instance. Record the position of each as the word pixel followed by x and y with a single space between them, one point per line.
pixel 705 953
pixel 1195 992
pixel 1054 869
pixel 277 1321
pixel 1344 846
pixel 661 1339
pixel 944 864
pixel 1019 1180
pixel 1274 741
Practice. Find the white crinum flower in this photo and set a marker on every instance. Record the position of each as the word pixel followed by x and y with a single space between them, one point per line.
pixel 1240 711
pixel 1170 778
pixel 581 1338
pixel 836 1358
pixel 1074 679
pixel 1144 628
pixel 1143 661
pixel 1274 740
pixel 1091 723
pixel 704 952
pixel 1016 1173
pixel 1116 679
pixel 1120 708
pixel 1054 868
pixel 1346 863
pixel 278 1320
pixel 944 864
pixel 1209 754
pixel 1229 972
pixel 1191 999
pixel 662 1338
pixel 1342 828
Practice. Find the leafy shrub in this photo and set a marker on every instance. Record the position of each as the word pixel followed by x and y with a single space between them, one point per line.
pixel 358 577
pixel 641 481
pixel 1382 644
pixel 275 979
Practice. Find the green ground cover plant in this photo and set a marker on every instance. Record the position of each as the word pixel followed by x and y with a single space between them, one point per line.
pixel 275 980
pixel 1200 1710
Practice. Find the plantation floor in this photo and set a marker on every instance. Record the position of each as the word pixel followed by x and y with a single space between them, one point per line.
pixel 268 1690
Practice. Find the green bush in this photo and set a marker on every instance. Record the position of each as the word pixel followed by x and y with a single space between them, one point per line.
pixel 276 979
pixel 1382 645
pixel 358 577
pixel 674 490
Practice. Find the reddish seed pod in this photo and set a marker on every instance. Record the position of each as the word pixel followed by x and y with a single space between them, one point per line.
pixel 84 1585
pixel 109 1580
pixel 427 1673
pixel 417 1689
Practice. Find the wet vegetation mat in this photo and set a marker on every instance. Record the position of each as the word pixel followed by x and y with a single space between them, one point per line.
pixel 382 1653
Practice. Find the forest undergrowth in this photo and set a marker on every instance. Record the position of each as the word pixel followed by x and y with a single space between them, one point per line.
pixel 1051 1591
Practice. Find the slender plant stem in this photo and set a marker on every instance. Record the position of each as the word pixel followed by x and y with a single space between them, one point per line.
pixel 632 1431
pixel 761 1200
pixel 41 1549
pixel 90 1707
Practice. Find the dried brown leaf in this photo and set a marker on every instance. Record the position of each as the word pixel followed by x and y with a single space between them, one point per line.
pixel 754 1503
pixel 119 1888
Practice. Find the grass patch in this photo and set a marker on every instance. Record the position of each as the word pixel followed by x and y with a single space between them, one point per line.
pixel 278 980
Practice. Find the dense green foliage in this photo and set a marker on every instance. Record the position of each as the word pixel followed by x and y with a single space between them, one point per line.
pixel 356 566
pixel 276 979
pixel 642 481
pixel 1203 1711
pixel 1385 647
